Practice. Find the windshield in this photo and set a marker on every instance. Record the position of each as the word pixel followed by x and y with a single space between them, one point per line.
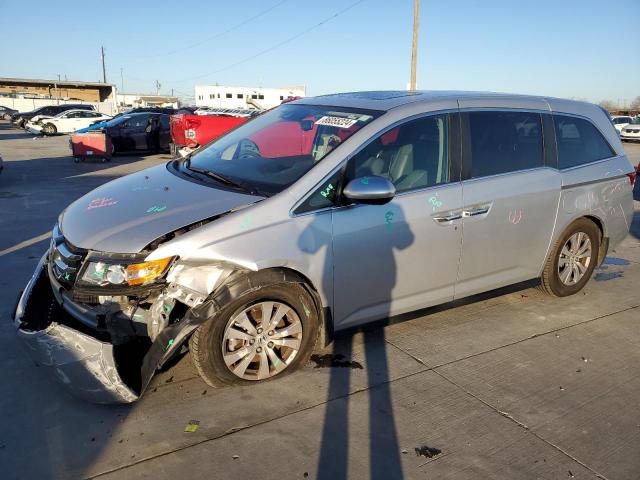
pixel 635 121
pixel 275 149
pixel 117 120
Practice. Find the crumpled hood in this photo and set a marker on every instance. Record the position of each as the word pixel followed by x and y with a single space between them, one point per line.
pixel 125 215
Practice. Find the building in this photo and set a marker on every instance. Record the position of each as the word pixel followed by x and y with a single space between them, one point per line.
pixel 57 89
pixel 244 97
pixel 136 100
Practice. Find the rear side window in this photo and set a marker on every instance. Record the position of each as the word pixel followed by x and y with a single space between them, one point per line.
pixel 579 142
pixel 502 142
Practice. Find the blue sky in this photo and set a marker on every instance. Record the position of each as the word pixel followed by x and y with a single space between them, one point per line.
pixel 565 48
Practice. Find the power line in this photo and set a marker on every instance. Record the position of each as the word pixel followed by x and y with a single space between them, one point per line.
pixel 273 47
pixel 217 35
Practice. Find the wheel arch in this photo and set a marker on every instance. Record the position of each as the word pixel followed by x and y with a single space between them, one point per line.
pixel 243 281
pixel 604 239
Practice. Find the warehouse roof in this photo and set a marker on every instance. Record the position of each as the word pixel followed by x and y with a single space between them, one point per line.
pixel 60 83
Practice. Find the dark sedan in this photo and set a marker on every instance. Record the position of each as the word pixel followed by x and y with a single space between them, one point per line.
pixel 139 131
pixel 6 112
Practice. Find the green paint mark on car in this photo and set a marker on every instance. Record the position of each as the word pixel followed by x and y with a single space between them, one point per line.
pixel 157 209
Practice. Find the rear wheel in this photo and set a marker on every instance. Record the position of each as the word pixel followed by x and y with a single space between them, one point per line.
pixel 573 259
pixel 263 334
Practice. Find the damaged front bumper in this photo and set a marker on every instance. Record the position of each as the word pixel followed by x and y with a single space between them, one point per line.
pixel 83 359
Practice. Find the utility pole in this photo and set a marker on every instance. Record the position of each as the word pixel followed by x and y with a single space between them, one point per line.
pixel 158 85
pixel 414 47
pixel 121 80
pixel 104 71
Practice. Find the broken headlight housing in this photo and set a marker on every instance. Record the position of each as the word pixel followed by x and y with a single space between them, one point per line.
pixel 103 273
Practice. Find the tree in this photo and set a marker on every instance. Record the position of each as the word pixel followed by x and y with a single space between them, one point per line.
pixel 608 105
pixel 635 104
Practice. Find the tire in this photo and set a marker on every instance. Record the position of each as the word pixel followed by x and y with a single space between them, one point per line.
pixel 553 276
pixel 49 129
pixel 211 338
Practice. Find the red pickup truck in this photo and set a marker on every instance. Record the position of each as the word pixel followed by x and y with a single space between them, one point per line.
pixel 189 131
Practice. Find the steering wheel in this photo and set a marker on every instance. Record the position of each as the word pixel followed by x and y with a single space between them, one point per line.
pixel 247 149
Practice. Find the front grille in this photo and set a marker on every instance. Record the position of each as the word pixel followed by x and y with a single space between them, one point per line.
pixel 66 261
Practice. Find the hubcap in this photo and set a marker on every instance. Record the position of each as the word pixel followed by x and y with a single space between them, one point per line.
pixel 262 340
pixel 575 258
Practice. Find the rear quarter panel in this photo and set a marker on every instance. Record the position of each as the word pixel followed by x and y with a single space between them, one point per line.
pixel 600 190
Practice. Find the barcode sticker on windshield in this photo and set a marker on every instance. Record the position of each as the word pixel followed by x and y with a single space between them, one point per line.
pixel 339 122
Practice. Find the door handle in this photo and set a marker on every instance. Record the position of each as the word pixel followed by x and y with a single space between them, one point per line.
pixel 448 218
pixel 476 211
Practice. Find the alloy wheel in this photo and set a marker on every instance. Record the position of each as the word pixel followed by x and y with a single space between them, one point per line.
pixel 575 258
pixel 262 340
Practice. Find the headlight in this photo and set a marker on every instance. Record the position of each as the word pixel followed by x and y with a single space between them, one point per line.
pixel 114 274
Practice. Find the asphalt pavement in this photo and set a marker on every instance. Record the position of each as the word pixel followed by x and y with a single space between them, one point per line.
pixel 507 385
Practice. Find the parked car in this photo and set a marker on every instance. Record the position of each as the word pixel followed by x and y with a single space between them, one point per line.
pixel 21 118
pixel 190 131
pixel 319 215
pixel 132 132
pixel 1 164
pixel 631 131
pixel 6 112
pixel 620 121
pixel 65 122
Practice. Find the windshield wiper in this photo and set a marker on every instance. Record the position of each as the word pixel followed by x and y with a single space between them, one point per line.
pixel 247 187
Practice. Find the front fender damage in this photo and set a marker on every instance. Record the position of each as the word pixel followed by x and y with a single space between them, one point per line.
pixel 85 360
pixel 93 365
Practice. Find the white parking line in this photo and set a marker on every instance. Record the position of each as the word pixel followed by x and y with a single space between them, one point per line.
pixel 26 243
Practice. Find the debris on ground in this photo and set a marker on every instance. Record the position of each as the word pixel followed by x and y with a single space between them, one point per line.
pixel 571 474
pixel 405 452
pixel 192 426
pixel 169 380
pixel 204 392
pixel 235 457
pixel 426 451
pixel 330 360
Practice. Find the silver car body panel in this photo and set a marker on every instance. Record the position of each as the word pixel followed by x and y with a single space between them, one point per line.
pixel 126 214
pixel 366 262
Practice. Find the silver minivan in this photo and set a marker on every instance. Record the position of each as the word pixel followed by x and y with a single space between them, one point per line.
pixel 319 215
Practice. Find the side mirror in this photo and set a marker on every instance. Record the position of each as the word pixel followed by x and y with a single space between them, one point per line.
pixel 369 190
pixel 306 125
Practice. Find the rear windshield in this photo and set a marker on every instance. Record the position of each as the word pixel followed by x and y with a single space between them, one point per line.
pixel 275 149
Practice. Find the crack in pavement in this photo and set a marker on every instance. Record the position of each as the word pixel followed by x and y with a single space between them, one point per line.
pixel 363 389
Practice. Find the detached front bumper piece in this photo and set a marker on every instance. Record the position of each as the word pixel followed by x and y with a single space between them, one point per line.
pixel 83 363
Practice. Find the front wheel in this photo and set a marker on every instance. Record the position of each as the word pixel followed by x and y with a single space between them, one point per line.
pixel 49 129
pixel 573 259
pixel 262 334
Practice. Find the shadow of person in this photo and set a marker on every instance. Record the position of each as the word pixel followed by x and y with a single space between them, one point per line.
pixel 363 274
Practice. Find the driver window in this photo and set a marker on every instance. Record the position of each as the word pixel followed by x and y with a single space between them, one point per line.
pixel 412 156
